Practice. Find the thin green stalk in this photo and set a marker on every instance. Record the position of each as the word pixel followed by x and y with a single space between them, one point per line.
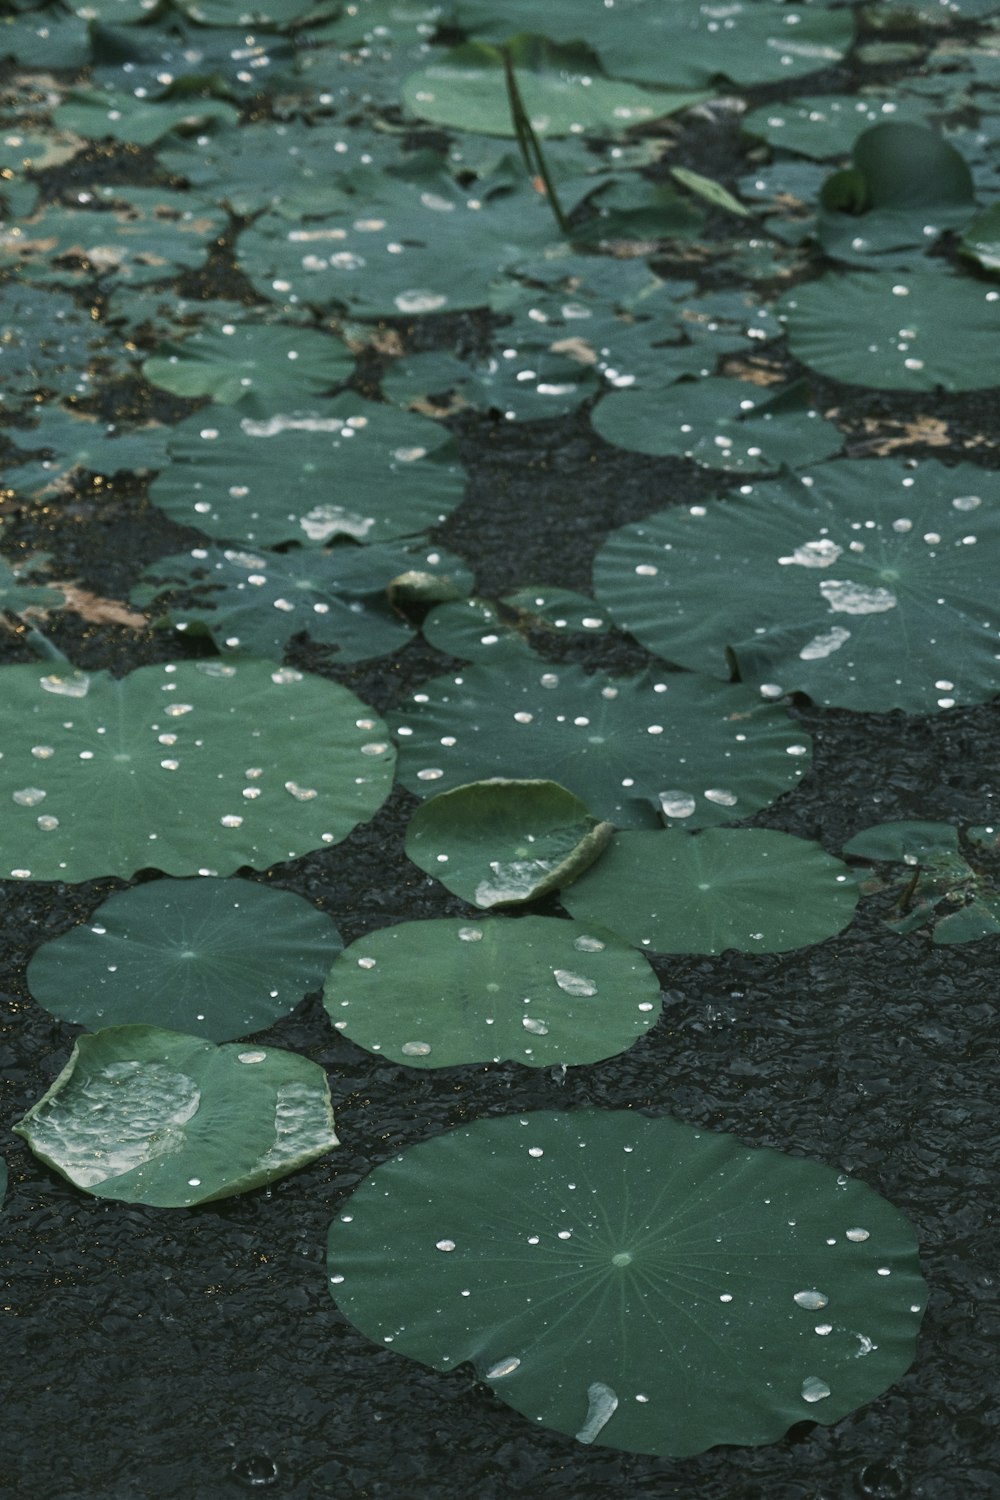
pixel 531 148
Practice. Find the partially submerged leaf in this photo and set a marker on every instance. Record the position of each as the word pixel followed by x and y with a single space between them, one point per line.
pixel 213 958
pixel 938 889
pixel 753 890
pixel 502 842
pixel 633 1281
pixel 262 368
pixel 535 990
pixel 143 1115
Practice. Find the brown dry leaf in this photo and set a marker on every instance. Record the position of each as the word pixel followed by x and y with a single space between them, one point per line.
pixel 758 372
pixel 575 348
pixel 886 437
pixel 100 611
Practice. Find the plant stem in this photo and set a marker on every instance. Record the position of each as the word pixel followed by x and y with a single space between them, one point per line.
pixel 531 148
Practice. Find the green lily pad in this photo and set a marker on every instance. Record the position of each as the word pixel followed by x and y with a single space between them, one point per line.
pixel 824 126
pixel 563 89
pixel 503 842
pixel 19 596
pixel 191 58
pixel 143 234
pixel 253 604
pixel 635 749
pixel 266 763
pixel 906 332
pixel 905 185
pixel 276 14
pixel 555 609
pixel 870 588
pixel 530 386
pixel 73 443
pixel 633 1281
pixel 47 343
pixel 722 424
pixel 938 889
pixel 750 889
pixel 142 1115
pixel 535 990
pixel 475 629
pixel 359 469
pixel 265 369
pixel 101 113
pixel 217 959
pixel 687 43
pixel 406 241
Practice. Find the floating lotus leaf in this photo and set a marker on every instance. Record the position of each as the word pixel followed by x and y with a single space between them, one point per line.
pixel 141 236
pixel 475 629
pixel 635 749
pixel 276 14
pixel 750 889
pixel 405 242
pixel 562 87
pixel 254 603
pixel 142 1115
pixel 723 424
pixel 532 386
pixel 634 1282
pixel 871 588
pixel 535 990
pixel 196 768
pixel 73 443
pixel 823 126
pixel 19 596
pixel 45 41
pixel 191 58
pixel 905 332
pixel 214 958
pixel 263 368
pixel 502 842
pixel 685 43
pixel 99 113
pixel 46 344
pixel 938 889
pixel 556 609
pixel 360 470
pixel 981 240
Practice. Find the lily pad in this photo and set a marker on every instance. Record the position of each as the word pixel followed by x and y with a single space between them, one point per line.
pixel 563 89
pixel 263 368
pixel 530 386
pixel 101 113
pixel 687 43
pixel 633 1281
pixel 254 603
pixel 981 240
pixel 535 990
pixel 722 424
pixel 359 469
pixel 265 763
pixel 906 332
pixel 869 588
pixel 73 444
pixel 754 890
pixel 503 842
pixel 635 749
pixel 213 958
pixel 824 126
pixel 142 1115
pixel 938 889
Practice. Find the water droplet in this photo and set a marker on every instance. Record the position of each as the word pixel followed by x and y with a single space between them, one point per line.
pixel 722 797
pixel 811 1299
pixel 419 301
pixel 28 796
pixel 251 1057
pixel 194 1182
pixel 622 1258
pixel 415 1049
pixel 574 984
pixel 602 1404
pixel 231 820
pixel 42 752
pixel 967 502
pixel 814 1389
pixel 430 775
pixel 470 934
pixel 46 823
pixel 445 1245
pixel 549 679
pixel 675 804
pixel 857 1235
pixel 502 1367
pixel 585 944
pixel 535 1151
pixel 537 1028
pixel 65 685
pixel 300 793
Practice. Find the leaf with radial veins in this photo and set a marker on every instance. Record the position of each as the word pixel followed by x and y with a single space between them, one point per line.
pixel 149 1116
pixel 195 768
pixel 534 990
pixel 872 587
pixel 633 1282
pixel 754 890
pixel 638 750
pixel 503 842
pixel 361 470
pixel 213 958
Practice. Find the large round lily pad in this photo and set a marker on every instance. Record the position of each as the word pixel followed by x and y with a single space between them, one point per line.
pixel 535 990
pixel 751 889
pixel 214 958
pixel 149 1116
pixel 264 368
pixel 632 1281
pixel 193 768
pixel 909 331
pixel 871 587
pixel 502 842
pixel 635 749
pixel 360 470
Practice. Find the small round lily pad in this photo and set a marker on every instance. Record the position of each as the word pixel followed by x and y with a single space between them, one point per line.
pixel 751 889
pixel 630 1281
pixel 149 1116
pixel 213 958
pixel 535 990
pixel 502 842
